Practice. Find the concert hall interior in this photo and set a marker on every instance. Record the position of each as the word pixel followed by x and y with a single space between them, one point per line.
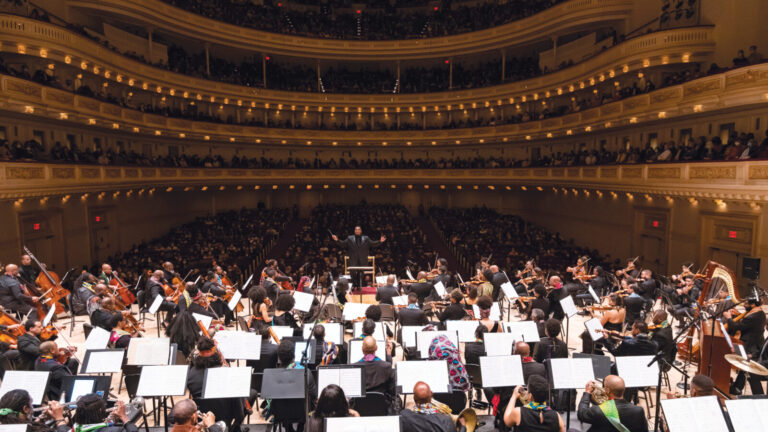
pixel 369 215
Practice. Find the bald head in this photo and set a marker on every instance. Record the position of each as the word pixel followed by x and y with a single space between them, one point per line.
pixel 48 348
pixel 391 280
pixel 11 269
pixel 421 275
pixel 184 412
pixel 522 349
pixel 106 268
pixel 494 268
pixel 369 345
pixel 158 274
pixel 422 393
pixel 615 386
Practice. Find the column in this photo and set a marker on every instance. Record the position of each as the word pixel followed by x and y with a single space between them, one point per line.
pixel 264 69
pixel 149 43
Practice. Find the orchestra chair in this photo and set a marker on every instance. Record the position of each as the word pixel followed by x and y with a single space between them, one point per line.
pixel 131 386
pixel 645 394
pixel 476 379
pixel 372 404
pixel 286 412
pixel 456 400
pixel 87 327
pixel 388 315
pixel 243 324
pixel 331 312
pixel 256 380
pixel 72 315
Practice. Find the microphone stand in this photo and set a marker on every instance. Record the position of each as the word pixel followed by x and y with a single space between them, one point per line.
pixel 305 363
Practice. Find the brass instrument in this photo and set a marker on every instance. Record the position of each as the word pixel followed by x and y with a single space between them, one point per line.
pixel 469 415
pixel 599 395
pixel 524 397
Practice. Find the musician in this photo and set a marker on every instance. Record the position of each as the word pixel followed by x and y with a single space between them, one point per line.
pixel 539 302
pixel 11 295
pixel 47 363
pixel 702 385
pixel 168 272
pixel 484 304
pixel 213 287
pixel 326 352
pixel 454 311
pixel 16 408
pixel 634 303
pixel 536 416
pixel 424 416
pixel 443 275
pixel 612 320
pixel 412 315
pixel 474 350
pixel 27 272
pixel 102 316
pixel 662 335
pixel 530 366
pixel 482 264
pixel 497 279
pixel 422 288
pixel 278 276
pixel 614 411
pixel 331 403
pixel 358 248
pixel 599 281
pixel 687 296
pixel 550 346
pixel 82 293
pixel 373 313
pixel 630 273
pixel 638 344
pixel 184 414
pixel 472 295
pixel 155 288
pixel 283 316
pixel 92 410
pixel 646 287
pixel 485 288
pixel 286 353
pixel 558 292
pixel 107 274
pixel 29 344
pixel 269 284
pixel 260 304
pixel 751 324
pixel 385 293
pixel 268 358
pixel 379 374
pixel 120 336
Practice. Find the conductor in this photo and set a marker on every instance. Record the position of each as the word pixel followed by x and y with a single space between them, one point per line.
pixel 358 248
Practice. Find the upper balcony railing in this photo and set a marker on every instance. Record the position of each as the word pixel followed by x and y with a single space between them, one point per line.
pixel 741 181
pixel 573 14
pixel 666 47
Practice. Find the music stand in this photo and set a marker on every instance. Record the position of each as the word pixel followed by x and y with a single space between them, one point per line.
pixel 362 270
pixel 75 386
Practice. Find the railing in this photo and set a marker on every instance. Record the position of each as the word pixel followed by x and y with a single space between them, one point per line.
pixel 742 180
pixel 559 18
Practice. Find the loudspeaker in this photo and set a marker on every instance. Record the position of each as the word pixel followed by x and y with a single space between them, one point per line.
pixel 750 268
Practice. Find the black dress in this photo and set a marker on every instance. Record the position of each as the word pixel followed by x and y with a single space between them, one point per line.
pixel 530 421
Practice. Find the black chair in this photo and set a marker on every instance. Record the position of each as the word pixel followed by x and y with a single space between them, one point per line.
pixel 456 400
pixel 372 404
pixel 72 315
pixel 286 412
pixel 87 329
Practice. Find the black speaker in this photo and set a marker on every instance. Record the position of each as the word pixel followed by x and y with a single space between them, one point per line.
pixel 750 268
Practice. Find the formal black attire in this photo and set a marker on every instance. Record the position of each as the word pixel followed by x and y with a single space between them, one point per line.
pixel 385 293
pixel 550 348
pixel 416 422
pixel 634 305
pixel 268 359
pixel 538 303
pixel 453 312
pixel 424 290
pixel 218 305
pixel 101 317
pixel 379 377
pixel 664 338
pixel 156 289
pixel 358 250
pixel 497 281
pixel 751 328
pixel 55 381
pixel 473 351
pixel 229 410
pixel 530 421
pixel 11 296
pixel 631 416
pixel 29 348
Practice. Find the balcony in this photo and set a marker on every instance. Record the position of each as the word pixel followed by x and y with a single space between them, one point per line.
pixel 736 181
pixel 569 16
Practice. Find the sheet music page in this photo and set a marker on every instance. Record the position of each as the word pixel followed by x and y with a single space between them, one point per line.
pixel 699 414
pixel 502 371
pixel 148 351
pixel 333 332
pixel 236 296
pixel 97 339
pixel 238 345
pixel 311 283
pixel 440 289
pixel 356 350
pixel 378 333
pixel 432 372
pixel 363 424
pixel 105 361
pixel 381 280
pixel 155 304
pixel 49 316
pixel 748 415
pixel 303 301
pixel 498 344
pixel 594 328
pixel 509 290
pixel 636 372
pixel 327 376
pixel 525 331
pixel 400 300
pixel 569 307
pixel 33 382
pixel 593 294
pixel 22 427
pixel 204 319
pixel 353 311
pixel 465 329
pixel 227 382
pixel 495 311
pixel 571 373
pixel 164 381
pixel 81 387
pixel 409 335
pixel 298 350
pixel 281 332
pixel 426 337
pixel 349 379
pixel 396 283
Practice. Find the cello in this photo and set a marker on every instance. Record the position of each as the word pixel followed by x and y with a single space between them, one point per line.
pixel 50 284
pixel 121 290
pixel 227 284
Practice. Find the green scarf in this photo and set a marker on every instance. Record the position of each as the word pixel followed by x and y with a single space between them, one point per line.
pixel 90 427
pixel 612 414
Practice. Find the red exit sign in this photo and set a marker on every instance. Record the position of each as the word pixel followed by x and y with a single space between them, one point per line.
pixel 655 224
pixel 733 234
pixel 98 218
pixel 36 227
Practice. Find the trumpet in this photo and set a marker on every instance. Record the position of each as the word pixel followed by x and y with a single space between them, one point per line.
pixel 468 414
pixel 201 426
pixel 599 395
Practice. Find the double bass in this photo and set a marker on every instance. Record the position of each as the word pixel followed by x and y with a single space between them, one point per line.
pixel 121 290
pixel 49 284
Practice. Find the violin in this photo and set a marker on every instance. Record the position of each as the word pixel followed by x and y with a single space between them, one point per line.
pixel 65 354
pixel 230 287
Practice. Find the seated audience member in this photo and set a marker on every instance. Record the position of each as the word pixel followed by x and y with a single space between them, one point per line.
pixel 92 410
pixel 424 416
pixel 613 412
pixel 331 403
pixel 185 418
pixel 535 416
pixel 550 346
pixel 48 363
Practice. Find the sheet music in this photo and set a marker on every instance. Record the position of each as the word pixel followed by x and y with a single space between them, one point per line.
pixel 281 332
pixel 33 382
pixel 699 414
pixel 725 334
pixel 49 316
pixel 636 372
pixel 248 282
pixel 408 334
pixel 156 304
pixel 440 289
pixel 163 381
pixel 495 312
pixel 356 350
pixel 748 415
pixel 97 339
pixel 333 332
pixel 593 294
pixel 502 371
pixel 400 300
pixel 227 382
pixel 81 387
pixel 465 329
pixel 381 280
pixel 595 329
pixel 432 372
pixel 378 332
pixel 353 311
pixel 149 351
pixel 349 379
pixel 571 373
pixel 300 346
pixel 109 361
pixel 22 427
pixel 238 345
pixel 204 319
pixel 410 276
pixel 425 338
pixel 498 344
pixel 509 290
pixel 363 424
pixel 303 301
pixel 568 306
pixel 236 296
pixel 525 331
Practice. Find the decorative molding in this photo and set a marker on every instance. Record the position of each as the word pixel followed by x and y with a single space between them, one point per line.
pixel 701 87
pixel 589 172
pixel 726 172
pixel 663 172
pixel 758 172
pixel 63 173
pixel 90 173
pixel 148 172
pixel 634 172
pixel 13 173
pixel 608 172
pixel 112 173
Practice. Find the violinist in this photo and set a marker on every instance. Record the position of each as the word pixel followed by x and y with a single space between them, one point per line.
pixel 646 287
pixel 29 344
pixel 633 302
pixel 11 295
pixel 540 301
pixel 630 272
pixel 270 285
pixel 454 311
pixel 102 315
pixel 121 334
pixel 260 304
pixel 47 362
pixel 277 277
pixel 556 293
pixel 686 297
pixel 443 276
pixel 213 287
pixel 155 288
pixel 497 279
pixel 751 324
pixel 422 288
pixel 385 293
pixel 283 316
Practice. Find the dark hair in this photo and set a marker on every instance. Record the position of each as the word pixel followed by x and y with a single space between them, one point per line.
pixel 413 298
pixel 484 302
pixel 599 270
pixel 488 274
pixel 373 313
pixel 192 290
pixel 91 409
pixel 369 326
pixel 457 295
pixel 641 325
pixel 205 344
pixel 443 262
pixel 257 294
pixel 480 332
pixel 286 352
pixel 285 302
pixel 332 402
pixel 553 327
pixel 114 320
pixel 538 387
pixel 472 293
pixel 15 400
pixel 319 332
pixel 540 289
pixel 28 324
pixel 704 383
pixel 210 275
